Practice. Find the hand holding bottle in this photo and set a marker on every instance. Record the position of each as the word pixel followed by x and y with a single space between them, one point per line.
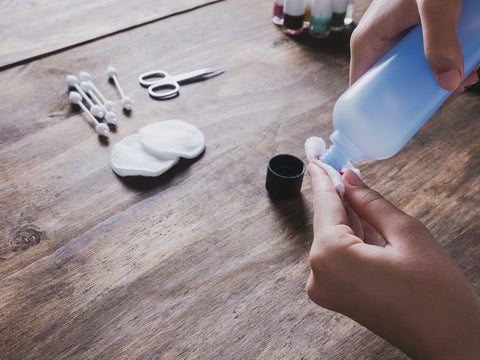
pixel 387 21
pixel 408 291
pixel 376 116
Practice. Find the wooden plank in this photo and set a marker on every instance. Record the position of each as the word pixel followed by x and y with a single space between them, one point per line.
pixel 199 263
pixel 30 29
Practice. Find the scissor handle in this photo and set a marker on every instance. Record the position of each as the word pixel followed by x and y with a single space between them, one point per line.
pixel 173 85
pixel 157 80
pixel 153 77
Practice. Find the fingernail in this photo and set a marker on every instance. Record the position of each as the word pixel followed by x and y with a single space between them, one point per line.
pixel 450 80
pixel 353 179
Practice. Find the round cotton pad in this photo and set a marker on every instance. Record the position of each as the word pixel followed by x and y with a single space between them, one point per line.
pixel 172 138
pixel 314 148
pixel 130 159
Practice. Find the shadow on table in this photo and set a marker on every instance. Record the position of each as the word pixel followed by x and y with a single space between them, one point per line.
pixel 295 217
pixel 172 176
pixel 336 43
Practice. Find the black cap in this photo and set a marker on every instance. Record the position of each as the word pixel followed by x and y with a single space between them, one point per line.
pixel 284 176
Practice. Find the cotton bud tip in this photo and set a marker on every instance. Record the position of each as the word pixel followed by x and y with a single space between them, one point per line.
pixel 85 86
pixel 111 72
pixel 97 111
pixel 102 129
pixel 84 76
pixel 75 97
pixel 127 103
pixel 72 80
pixel 111 118
pixel 109 105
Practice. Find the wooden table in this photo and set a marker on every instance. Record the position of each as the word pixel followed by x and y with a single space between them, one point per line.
pixel 198 263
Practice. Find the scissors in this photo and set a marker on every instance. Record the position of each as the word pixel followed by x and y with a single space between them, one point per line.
pixel 161 80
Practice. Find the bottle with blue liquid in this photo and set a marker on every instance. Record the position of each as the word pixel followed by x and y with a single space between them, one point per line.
pixel 383 109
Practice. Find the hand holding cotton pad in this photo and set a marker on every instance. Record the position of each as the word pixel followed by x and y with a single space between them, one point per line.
pixel 314 150
pixel 156 148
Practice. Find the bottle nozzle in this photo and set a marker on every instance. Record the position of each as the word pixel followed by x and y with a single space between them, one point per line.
pixel 335 157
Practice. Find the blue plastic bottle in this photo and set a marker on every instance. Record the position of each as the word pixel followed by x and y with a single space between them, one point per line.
pixel 378 114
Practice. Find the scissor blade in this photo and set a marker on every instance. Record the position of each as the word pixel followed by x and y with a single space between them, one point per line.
pixel 198 75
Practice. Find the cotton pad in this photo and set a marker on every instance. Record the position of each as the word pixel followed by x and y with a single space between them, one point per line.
pixel 314 148
pixel 171 138
pixel 128 158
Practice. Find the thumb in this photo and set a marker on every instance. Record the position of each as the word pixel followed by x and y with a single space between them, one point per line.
pixel 443 52
pixel 385 217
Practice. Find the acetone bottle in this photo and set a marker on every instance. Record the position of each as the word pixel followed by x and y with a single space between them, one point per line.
pixel 383 109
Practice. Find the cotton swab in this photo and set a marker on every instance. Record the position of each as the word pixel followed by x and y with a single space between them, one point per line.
pixel 112 74
pixel 85 76
pixel 96 110
pixel 100 128
pixel 110 116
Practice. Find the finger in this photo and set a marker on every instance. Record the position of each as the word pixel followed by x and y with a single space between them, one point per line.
pixel 328 207
pixel 354 221
pixel 361 228
pixel 382 215
pixel 370 235
pixel 470 80
pixel 379 30
pixel 442 49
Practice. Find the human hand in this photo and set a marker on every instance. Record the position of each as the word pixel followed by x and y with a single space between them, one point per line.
pixel 408 291
pixel 386 21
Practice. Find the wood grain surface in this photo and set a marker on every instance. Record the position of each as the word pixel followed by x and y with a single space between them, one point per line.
pixel 198 263
pixel 32 28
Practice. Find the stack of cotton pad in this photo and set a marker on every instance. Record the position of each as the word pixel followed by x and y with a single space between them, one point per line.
pixel 156 148
pixel 314 149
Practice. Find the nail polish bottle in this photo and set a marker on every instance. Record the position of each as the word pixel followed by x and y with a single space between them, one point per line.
pixel 293 15
pixel 308 11
pixel 320 18
pixel 349 13
pixel 338 16
pixel 277 18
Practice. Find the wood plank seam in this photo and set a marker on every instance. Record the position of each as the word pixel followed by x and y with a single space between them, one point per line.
pixel 93 39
